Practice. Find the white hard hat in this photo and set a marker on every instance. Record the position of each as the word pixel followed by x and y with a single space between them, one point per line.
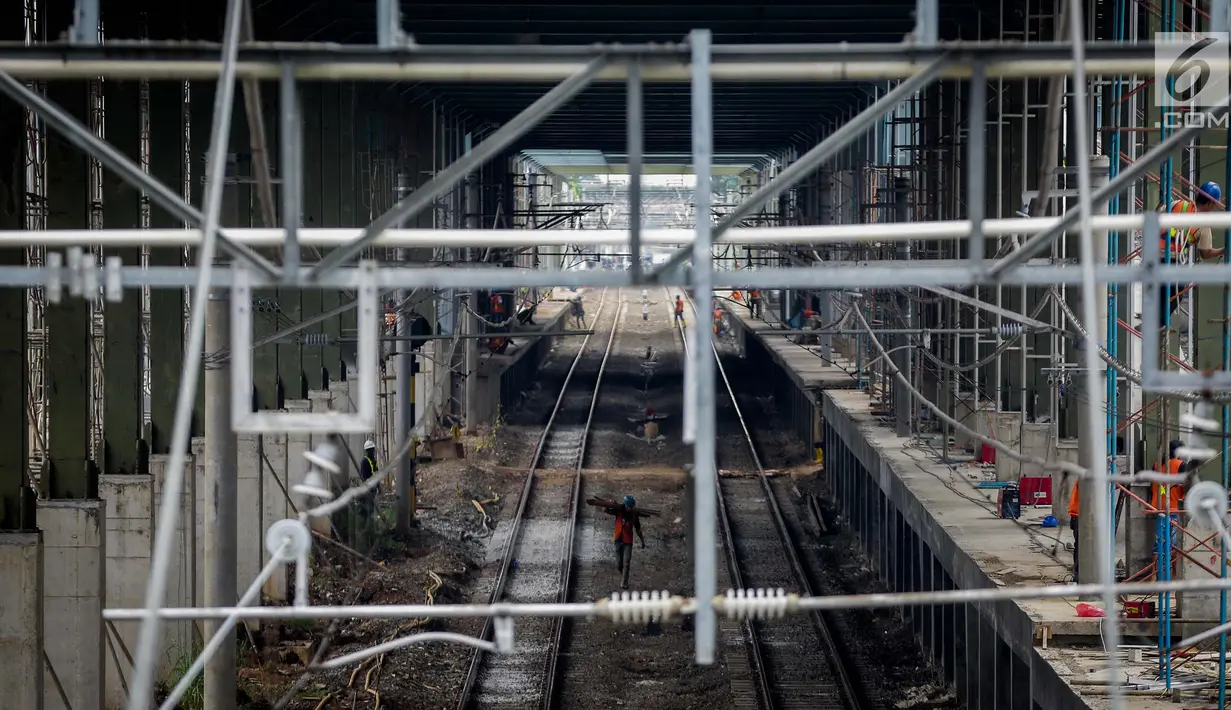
pixel 369 444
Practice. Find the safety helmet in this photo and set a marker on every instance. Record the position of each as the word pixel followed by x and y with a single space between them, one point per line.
pixel 630 502
pixel 369 444
pixel 1212 190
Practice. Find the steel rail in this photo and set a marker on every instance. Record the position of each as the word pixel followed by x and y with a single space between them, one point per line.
pixel 755 658
pixel 498 589
pixel 566 565
pixel 819 620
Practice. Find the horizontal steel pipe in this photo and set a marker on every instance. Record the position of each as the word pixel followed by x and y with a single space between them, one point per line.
pixel 412 238
pixel 848 275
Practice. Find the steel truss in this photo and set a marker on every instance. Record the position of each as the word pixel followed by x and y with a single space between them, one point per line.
pixel 696 61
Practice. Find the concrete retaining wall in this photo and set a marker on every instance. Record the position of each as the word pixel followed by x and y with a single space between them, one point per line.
pixel 985 650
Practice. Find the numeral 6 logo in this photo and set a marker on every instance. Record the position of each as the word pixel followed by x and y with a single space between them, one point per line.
pixel 1185 63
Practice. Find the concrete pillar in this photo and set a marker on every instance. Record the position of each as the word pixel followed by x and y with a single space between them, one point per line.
pixel 251 533
pixel 166 339
pixel 74 583
pixel 198 521
pixel 21 619
pixel 298 444
pixel 275 505
pixel 122 385
pixel 129 521
pixel 1090 535
pixel 71 473
pixel 178 636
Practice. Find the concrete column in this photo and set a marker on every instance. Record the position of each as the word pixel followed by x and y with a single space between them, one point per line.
pixel 129 521
pixel 221 504
pixel 178 636
pixel 274 489
pixel 198 522
pixel 21 619
pixel 122 385
pixel 71 473
pixel 74 583
pixel 1090 535
pixel 166 338
pixel 249 469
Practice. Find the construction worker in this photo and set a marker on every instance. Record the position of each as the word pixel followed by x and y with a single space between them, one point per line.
pixel 628 521
pixel 754 303
pixel 367 469
pixel 679 309
pixel 579 312
pixel 1074 509
pixel 1175 243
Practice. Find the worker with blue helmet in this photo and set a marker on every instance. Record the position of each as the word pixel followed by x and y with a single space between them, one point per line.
pixel 627 523
pixel 1177 243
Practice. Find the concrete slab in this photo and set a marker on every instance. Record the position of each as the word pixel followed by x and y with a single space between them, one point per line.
pixel 802 362
pixel 251 534
pixel 21 619
pixel 74 583
pixel 275 501
pixel 130 543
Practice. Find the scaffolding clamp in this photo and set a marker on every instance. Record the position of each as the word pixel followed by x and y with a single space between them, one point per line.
pixel 79 271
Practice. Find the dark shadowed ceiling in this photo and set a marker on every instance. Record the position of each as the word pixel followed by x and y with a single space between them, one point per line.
pixel 748 118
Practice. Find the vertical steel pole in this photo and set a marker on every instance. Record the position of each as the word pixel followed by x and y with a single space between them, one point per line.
pixel 976 163
pixel 404 416
pixel 221 507
pixel 704 463
pixel 292 178
pixel 1094 423
pixel 142 688
pixel 636 145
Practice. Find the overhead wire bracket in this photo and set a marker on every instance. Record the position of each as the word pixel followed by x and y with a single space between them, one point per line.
pixel 361 421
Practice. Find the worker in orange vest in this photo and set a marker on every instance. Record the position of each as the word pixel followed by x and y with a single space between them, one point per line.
pixel 1175 244
pixel 1074 509
pixel 1169 498
pixel 679 309
pixel 497 304
pixel 754 303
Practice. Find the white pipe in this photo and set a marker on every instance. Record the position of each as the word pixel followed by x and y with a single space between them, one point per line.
pixel 416 238
pixel 462 70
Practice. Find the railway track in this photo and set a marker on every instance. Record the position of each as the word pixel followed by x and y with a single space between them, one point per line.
pixel 783 666
pixel 537 561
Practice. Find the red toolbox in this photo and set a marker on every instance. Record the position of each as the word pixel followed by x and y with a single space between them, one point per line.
pixel 1036 490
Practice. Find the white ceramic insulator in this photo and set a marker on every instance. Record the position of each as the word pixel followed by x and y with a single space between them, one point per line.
pixel 640 607
pixel 756 603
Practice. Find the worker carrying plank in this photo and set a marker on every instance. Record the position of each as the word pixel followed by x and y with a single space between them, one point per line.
pixel 627 522
pixel 1177 242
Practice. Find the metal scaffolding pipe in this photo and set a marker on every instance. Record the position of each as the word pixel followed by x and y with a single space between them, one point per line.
pixel 832 234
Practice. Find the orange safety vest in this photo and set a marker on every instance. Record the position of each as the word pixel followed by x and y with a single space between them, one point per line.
pixel 756 293
pixel 1075 502
pixel 679 305
pixel 497 303
pixel 1175 493
pixel 623 529
pixel 737 296
pixel 1177 240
